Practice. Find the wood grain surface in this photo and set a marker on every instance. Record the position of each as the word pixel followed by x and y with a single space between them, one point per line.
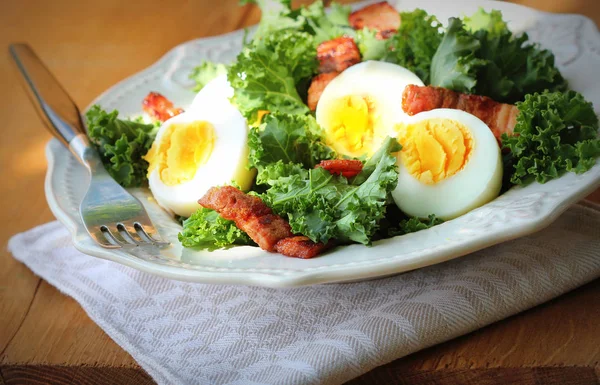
pixel 45 337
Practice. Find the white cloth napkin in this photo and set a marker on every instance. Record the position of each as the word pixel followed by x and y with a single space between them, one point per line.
pixel 185 333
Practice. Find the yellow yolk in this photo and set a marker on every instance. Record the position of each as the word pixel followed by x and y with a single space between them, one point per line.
pixel 182 148
pixel 259 117
pixel 434 149
pixel 351 125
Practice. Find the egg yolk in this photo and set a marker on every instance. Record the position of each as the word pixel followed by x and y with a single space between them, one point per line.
pixel 182 149
pixel 351 125
pixel 434 149
pixel 259 117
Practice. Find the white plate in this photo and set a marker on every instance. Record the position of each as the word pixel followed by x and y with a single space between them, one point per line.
pixel 576 44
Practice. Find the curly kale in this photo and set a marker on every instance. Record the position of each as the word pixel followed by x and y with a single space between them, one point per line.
pixel 555 132
pixel 121 145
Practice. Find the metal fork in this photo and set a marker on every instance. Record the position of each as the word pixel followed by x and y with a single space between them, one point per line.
pixel 112 217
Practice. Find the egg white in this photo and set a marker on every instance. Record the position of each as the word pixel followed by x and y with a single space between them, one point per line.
pixel 477 183
pixel 382 82
pixel 227 160
pixel 217 89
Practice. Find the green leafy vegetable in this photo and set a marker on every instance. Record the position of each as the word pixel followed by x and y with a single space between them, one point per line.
pixel 397 223
pixel 454 64
pixel 276 15
pixel 323 206
pixel 274 174
pixel 485 58
pixel 514 68
pixel 289 138
pixel 323 26
pixel 206 72
pixel 481 20
pixel 415 43
pixel 370 47
pixel 273 72
pixel 267 73
pixel 415 224
pixel 121 144
pixel 206 229
pixel 339 13
pixel 555 132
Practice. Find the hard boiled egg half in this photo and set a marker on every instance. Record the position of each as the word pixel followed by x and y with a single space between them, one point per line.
pixel 450 163
pixel 360 107
pixel 203 147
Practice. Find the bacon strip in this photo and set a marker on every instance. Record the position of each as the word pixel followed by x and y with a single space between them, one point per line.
pixel 300 247
pixel 317 86
pixel 344 167
pixel 159 107
pixel 500 117
pixel 381 17
pixel 250 214
pixel 338 54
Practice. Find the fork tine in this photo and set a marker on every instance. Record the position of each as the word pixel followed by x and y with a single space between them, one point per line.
pixel 116 236
pixel 148 231
pixel 128 232
pixel 99 236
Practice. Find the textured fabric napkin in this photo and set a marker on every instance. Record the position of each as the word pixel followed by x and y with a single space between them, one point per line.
pixel 185 333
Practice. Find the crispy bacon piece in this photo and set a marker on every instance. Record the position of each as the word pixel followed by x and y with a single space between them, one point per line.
pixel 500 117
pixel 249 213
pixel 338 54
pixel 317 86
pixel 159 107
pixel 345 167
pixel 381 17
pixel 253 216
pixel 300 247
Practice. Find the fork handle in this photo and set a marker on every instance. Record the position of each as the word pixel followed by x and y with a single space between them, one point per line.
pixel 54 106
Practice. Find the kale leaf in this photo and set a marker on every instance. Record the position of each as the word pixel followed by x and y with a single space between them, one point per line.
pixel 287 138
pixel 121 145
pixel 205 72
pixel 455 64
pixel 483 57
pixel 326 26
pixel 414 224
pixel 415 43
pixel 491 22
pixel 514 68
pixel 277 15
pixel 267 73
pixel 206 229
pixel 555 132
pixel 370 47
pixel 323 206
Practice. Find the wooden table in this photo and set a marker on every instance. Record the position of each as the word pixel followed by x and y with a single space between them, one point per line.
pixel 46 336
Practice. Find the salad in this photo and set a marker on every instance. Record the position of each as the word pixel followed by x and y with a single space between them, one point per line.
pixel 344 127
